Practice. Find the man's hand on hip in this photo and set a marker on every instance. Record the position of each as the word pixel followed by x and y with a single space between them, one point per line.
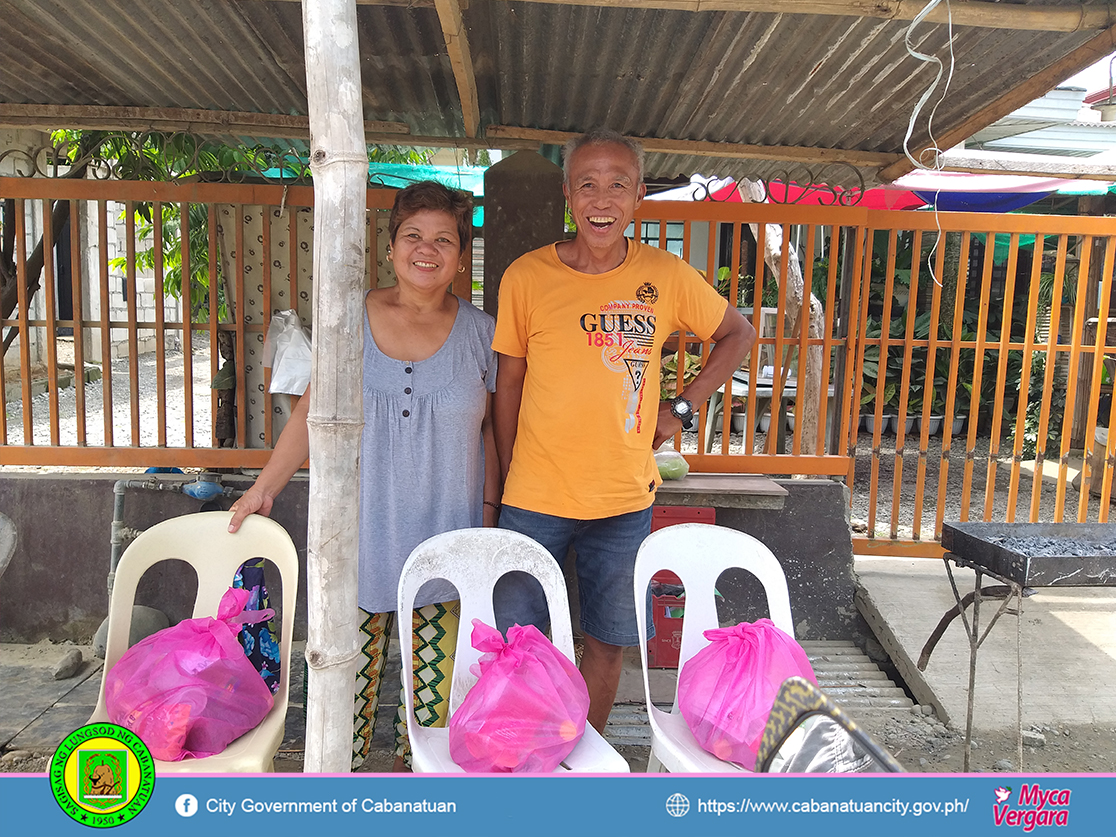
pixel 668 424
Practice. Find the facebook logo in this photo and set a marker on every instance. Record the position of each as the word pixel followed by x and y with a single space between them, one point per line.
pixel 186 805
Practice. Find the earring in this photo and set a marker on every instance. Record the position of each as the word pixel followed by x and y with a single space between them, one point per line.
pixel 389 254
pixel 461 269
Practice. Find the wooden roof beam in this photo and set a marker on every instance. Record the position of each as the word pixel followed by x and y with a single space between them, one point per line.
pixel 1037 85
pixel 461 59
pixel 974 161
pixel 239 123
pixel 499 134
pixel 1077 17
pixel 979 13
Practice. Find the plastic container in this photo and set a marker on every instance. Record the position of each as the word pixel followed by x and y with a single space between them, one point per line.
pixel 668 609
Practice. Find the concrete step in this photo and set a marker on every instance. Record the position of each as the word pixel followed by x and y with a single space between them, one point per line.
pixel 851 676
pixel 849 670
pixel 839 691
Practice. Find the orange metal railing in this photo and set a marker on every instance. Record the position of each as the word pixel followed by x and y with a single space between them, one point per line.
pixel 106 320
pixel 921 321
pixel 938 315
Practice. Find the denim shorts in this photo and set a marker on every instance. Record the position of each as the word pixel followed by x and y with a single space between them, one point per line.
pixel 606 551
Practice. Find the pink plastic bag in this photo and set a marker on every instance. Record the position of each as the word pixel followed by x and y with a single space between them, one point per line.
pixel 189 690
pixel 526 711
pixel 726 690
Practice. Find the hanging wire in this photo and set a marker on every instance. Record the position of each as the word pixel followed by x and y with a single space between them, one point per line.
pixel 936 163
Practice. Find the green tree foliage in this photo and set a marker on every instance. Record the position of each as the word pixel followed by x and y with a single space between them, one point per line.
pixel 170 157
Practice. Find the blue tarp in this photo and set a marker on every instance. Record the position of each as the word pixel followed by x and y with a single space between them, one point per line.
pixel 981 201
pixel 397 175
pixel 465 178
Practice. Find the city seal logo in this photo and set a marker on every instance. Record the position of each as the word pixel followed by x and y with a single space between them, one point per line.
pixel 647 293
pixel 102 775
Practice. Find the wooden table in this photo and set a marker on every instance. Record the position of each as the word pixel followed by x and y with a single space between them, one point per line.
pixel 727 491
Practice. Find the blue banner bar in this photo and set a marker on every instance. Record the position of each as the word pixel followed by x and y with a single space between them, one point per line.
pixel 568 806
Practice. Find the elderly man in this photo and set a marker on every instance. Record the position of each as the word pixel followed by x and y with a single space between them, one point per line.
pixel 580 330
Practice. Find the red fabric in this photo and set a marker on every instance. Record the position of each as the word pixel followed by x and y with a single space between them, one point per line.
pixel 880 198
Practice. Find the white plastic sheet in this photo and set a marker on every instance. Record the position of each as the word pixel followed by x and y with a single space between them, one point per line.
pixel 287 351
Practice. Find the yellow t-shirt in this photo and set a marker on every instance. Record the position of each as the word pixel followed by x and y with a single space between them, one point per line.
pixel 591 392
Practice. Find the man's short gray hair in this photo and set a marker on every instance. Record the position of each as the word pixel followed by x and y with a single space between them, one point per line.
pixel 602 136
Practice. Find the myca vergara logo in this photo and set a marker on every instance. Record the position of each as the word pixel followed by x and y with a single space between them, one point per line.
pixel 1034 807
pixel 102 775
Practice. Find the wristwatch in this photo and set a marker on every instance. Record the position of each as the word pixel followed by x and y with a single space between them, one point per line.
pixel 683 409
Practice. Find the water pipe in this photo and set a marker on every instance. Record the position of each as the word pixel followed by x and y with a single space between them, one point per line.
pixel 206 487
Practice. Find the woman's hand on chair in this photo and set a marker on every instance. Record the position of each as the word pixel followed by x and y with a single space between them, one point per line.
pixel 252 501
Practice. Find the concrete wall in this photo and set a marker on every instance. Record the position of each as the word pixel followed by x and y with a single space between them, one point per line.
pixel 116 238
pixel 811 538
pixel 56 584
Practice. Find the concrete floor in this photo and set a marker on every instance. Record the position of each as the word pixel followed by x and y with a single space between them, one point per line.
pixel 1067 636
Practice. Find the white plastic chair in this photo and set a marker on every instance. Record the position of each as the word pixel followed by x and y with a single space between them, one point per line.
pixel 203 541
pixel 473 560
pixel 698 553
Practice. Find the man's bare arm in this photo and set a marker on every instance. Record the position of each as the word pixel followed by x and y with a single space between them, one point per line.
pixel 732 340
pixel 509 395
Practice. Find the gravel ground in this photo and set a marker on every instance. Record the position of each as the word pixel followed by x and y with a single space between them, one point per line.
pixel 146 401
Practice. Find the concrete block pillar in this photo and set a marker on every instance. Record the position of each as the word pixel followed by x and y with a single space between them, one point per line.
pixel 524 209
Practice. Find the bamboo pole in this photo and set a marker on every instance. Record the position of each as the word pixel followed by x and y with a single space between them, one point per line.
pixel 339 163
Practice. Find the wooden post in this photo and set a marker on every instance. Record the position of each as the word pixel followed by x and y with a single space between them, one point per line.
pixel 1089 286
pixel 339 162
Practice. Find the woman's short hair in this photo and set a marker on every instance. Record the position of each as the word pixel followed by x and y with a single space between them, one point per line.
pixel 429 194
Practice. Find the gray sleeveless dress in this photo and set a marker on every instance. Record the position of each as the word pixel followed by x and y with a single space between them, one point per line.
pixel 421 454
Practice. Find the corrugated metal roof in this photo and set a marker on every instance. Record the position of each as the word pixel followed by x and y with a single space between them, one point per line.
pixel 752 78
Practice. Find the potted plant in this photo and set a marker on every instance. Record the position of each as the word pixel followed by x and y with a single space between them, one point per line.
pixel 937 410
pixel 868 404
pixel 668 374
pixel 961 405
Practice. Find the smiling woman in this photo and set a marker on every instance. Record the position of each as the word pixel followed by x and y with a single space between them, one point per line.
pixel 427 458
